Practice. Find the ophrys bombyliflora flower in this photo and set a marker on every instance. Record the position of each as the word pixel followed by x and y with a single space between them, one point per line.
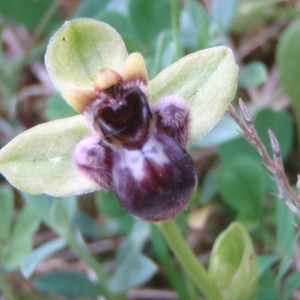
pixel 40 160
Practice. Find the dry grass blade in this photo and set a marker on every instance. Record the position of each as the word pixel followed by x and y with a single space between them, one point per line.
pixel 273 163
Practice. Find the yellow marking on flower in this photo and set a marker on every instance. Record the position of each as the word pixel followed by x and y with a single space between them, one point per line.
pixel 105 79
pixel 134 68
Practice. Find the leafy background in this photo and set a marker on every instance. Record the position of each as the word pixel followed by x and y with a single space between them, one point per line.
pixel 38 257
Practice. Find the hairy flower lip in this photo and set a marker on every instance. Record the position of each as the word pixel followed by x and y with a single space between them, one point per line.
pixel 138 153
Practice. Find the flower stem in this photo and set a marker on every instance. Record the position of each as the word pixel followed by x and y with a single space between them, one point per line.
pixel 188 260
pixel 4 287
pixel 164 255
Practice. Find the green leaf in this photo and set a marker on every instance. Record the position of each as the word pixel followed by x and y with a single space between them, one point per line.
pixel 194 26
pixel 253 75
pixel 19 12
pixel 223 13
pixel 237 147
pixel 285 234
pixel 20 243
pixel 78 50
pixel 133 271
pixel 109 207
pixel 134 268
pixel 88 226
pixel 27 223
pixel 278 121
pixel 68 284
pixel 6 212
pixel 226 130
pixel 16 251
pixel 90 8
pixel 267 289
pixel 118 21
pixel 108 204
pixel 236 180
pixel 287 56
pixel 40 159
pixel 30 262
pixel 206 79
pixel 291 285
pixel 56 213
pixel 164 52
pixel 62 214
pixel 233 265
pixel 286 239
pixel 42 205
pixel 210 187
pixel 57 108
pixel 255 13
pixel 148 18
pixel 59 217
pixel 266 262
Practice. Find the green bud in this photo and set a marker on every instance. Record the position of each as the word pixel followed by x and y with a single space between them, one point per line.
pixel 233 265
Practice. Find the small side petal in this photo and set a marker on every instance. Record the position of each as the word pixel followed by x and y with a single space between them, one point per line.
pixel 40 159
pixel 207 79
pixel 78 50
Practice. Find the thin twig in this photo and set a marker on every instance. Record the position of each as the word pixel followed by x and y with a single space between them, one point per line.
pixel 249 44
pixel 34 90
pixel 273 163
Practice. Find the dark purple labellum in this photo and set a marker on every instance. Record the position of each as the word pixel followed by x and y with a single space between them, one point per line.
pixel 151 173
pixel 155 182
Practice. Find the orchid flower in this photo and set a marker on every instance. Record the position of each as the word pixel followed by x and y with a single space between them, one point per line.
pixel 131 133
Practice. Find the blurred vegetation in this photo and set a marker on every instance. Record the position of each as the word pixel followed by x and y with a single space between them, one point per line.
pixel 39 259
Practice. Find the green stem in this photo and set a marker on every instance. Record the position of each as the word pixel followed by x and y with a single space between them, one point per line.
pixel 164 255
pixel 91 261
pixel 4 287
pixel 188 260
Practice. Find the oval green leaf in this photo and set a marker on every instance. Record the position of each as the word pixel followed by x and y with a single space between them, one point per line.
pixel 40 159
pixel 236 179
pixel 233 265
pixel 287 56
pixel 31 262
pixel 207 79
pixel 66 283
pixel 78 50
pixel 6 212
